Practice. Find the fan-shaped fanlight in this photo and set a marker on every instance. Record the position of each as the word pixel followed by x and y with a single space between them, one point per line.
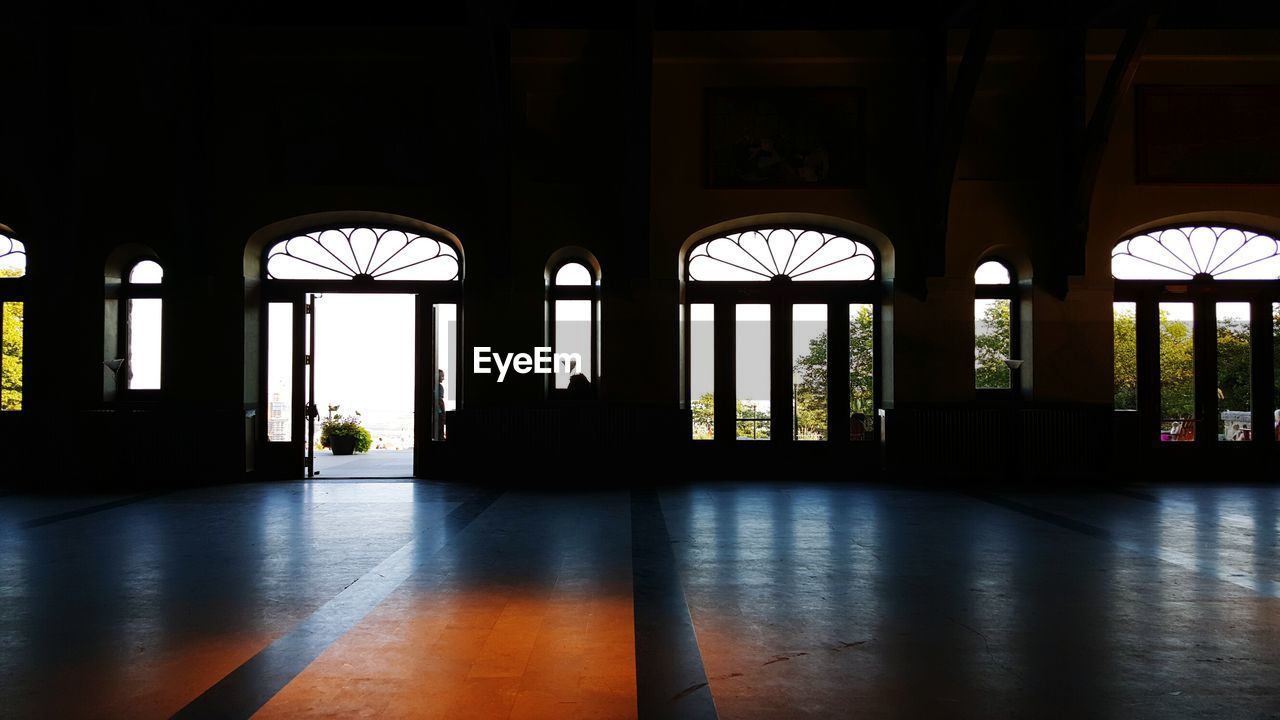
pixel 367 253
pixel 13 257
pixel 1182 253
pixel 758 255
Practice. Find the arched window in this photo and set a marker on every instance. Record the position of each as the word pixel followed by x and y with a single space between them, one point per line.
pixel 1195 345
pixel 13 272
pixel 143 329
pixel 779 335
pixel 995 327
pixel 362 254
pixel 573 314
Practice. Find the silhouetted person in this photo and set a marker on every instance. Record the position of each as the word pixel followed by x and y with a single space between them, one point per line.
pixel 440 405
pixel 857 426
pixel 580 390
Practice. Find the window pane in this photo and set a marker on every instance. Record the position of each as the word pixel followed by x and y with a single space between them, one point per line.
pixel 573 335
pixel 146 273
pixel 991 273
pixel 13 257
pixel 752 365
pixel 862 412
pixel 279 372
pixel 573 274
pixel 144 343
pixel 809 371
pixel 992 340
pixel 1235 397
pixel 11 372
pixel 1177 372
pixel 702 370
pixel 1126 355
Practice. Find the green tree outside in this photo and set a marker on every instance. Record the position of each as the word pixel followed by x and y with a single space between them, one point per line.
pixel 11 357
pixel 992 346
pixel 1177 365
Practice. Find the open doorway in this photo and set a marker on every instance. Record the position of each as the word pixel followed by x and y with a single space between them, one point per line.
pixel 364 379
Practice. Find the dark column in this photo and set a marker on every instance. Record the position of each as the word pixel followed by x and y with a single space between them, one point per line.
pixel 781 390
pixel 726 408
pixel 1147 322
pixel 424 390
pixel 1206 371
pixel 838 372
pixel 1262 357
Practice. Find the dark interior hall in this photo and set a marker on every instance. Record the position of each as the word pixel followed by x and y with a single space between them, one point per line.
pixel 647 359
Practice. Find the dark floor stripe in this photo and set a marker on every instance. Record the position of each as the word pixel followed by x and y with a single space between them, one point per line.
pixel 670 679
pixel 1136 495
pixel 1061 521
pixel 247 688
pixel 71 514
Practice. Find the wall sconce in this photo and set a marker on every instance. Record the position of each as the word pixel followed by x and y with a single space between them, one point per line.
pixel 1013 364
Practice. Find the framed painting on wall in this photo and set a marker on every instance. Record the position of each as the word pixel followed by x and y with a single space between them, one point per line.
pixel 1207 135
pixel 794 137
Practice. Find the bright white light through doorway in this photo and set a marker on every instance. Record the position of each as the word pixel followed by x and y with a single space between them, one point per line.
pixel 364 363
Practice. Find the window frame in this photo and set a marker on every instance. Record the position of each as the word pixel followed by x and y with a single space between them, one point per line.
pixel 1006 291
pixel 128 291
pixel 781 293
pixel 15 290
pixel 1203 292
pixel 554 292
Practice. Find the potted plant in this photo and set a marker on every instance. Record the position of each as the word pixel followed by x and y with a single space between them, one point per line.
pixel 344 435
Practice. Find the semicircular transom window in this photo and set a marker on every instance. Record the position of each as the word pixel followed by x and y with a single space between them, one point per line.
pixel 362 253
pixel 1222 253
pixel 13 257
pixel 759 255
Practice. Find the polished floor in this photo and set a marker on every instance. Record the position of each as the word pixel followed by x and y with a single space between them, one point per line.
pixel 420 599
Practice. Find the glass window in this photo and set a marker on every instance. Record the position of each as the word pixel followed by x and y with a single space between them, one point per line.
pixel 1177 372
pixel 752 381
pixel 992 326
pixel 146 272
pixel 992 272
pixel 145 333
pixel 11 370
pixel 1235 363
pixel 573 274
pixel 13 257
pixel 365 253
pixel 804 255
pixel 862 411
pixel 1222 253
pixel 1125 329
pixel 702 370
pixel 13 264
pixel 809 371
pixel 280 371
pixel 573 339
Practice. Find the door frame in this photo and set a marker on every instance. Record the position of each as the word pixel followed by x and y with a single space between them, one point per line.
pixel 288 458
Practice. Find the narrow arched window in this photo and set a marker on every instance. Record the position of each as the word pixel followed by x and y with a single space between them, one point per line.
pixel 143 325
pixel 13 272
pixel 995 327
pixel 573 316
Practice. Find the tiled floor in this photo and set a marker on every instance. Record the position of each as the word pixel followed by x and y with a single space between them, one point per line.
pixel 386 599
